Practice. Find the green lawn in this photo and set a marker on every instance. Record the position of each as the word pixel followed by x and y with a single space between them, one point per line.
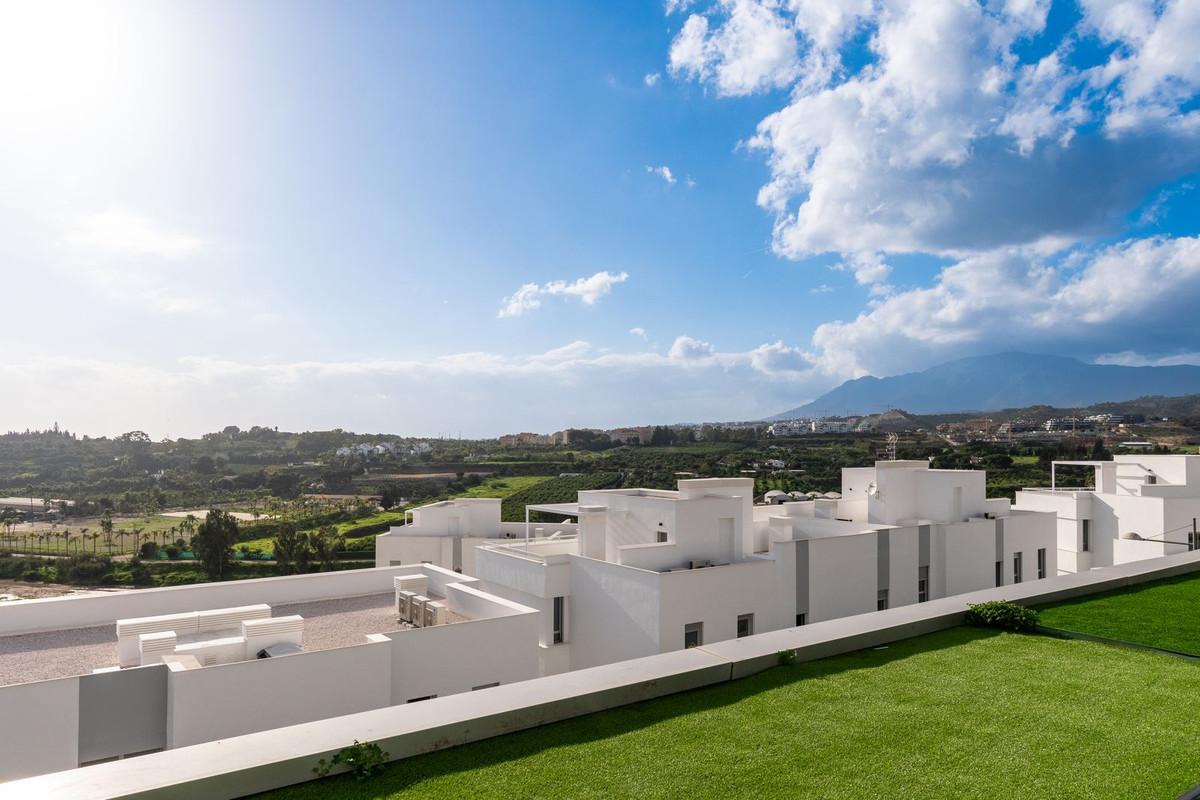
pixel 963 713
pixel 1163 614
pixel 503 487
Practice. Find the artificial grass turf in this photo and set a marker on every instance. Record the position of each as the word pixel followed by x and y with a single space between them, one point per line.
pixel 964 713
pixel 1164 613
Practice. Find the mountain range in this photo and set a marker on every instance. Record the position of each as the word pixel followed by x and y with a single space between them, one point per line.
pixel 997 381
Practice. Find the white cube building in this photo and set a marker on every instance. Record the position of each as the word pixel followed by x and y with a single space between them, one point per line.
pixel 1139 506
pixel 646 571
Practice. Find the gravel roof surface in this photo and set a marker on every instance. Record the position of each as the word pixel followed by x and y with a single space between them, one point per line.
pixel 77 651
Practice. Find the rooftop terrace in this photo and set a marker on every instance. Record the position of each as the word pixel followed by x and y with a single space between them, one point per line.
pixel 961 713
pixel 76 651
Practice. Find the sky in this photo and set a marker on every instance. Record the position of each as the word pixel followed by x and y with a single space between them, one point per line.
pixel 432 218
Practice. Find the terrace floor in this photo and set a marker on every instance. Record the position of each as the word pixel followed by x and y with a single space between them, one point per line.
pixel 77 651
pixel 1163 613
pixel 961 713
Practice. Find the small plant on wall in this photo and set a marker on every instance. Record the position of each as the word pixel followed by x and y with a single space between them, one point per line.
pixel 363 759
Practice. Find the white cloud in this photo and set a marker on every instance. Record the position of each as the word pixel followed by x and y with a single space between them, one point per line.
pixel 676 6
pixel 651 79
pixel 484 393
pixel 821 289
pixel 685 348
pixel 589 290
pixel 754 48
pixel 1130 358
pixel 869 269
pixel 944 141
pixel 120 232
pixel 1135 293
pixel 663 172
pixel 640 332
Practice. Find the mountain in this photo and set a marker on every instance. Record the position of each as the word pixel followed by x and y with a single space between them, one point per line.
pixel 1002 380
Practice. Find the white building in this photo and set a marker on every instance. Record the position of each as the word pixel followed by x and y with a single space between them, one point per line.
pixel 648 571
pixel 1139 506
pixel 117 674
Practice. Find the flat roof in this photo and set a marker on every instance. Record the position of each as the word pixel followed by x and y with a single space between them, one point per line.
pixel 569 509
pixel 339 622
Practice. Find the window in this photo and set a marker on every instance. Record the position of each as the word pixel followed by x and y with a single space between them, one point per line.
pixel 745 626
pixel 1193 536
pixel 693 634
pixel 801 619
pixel 1041 563
pixel 1087 535
pixel 558 620
pixel 1017 558
pixel 1151 479
pixel 922 584
pixel 662 536
pixel 999 573
pixel 881 600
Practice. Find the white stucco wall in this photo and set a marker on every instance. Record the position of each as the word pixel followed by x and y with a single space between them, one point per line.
pixel 231 699
pixel 40 728
pixel 843 576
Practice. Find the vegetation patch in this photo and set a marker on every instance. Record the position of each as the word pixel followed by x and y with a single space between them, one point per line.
pixel 961 713
pixel 1159 614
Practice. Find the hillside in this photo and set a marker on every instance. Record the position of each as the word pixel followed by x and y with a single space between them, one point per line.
pixel 1000 381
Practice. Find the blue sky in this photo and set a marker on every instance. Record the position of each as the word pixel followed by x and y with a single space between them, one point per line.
pixel 432 218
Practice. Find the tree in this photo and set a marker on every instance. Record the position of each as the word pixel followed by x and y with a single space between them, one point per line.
pixel 291 550
pixel 324 544
pixel 213 543
pixel 389 497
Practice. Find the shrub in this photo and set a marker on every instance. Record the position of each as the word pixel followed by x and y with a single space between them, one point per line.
pixel 1002 614
pixel 787 658
pixel 139 573
pixel 148 550
pixel 86 568
pixel 172 551
pixel 363 759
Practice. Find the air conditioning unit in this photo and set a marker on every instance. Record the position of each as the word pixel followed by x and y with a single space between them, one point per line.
pixel 435 614
pixel 404 600
pixel 417 610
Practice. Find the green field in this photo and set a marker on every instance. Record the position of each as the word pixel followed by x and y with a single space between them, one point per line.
pixel 493 487
pixel 1163 614
pixel 963 713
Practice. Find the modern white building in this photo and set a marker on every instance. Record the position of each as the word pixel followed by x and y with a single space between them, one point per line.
pixel 1139 506
pixel 112 675
pixel 646 571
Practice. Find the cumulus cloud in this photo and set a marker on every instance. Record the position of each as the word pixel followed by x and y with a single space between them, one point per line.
pixel 663 172
pixel 589 290
pixel 1137 292
pixel 641 332
pixel 651 79
pixel 945 141
pixel 685 348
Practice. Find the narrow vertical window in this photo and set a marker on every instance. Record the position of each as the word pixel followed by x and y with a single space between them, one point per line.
pixel 1017 558
pixel 745 625
pixel 693 634
pixel 558 619
pixel 881 600
pixel 1041 563
pixel 999 573
pixel 922 584
pixel 1087 535
pixel 801 619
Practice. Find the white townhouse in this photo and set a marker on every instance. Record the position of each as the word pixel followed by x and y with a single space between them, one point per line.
pixel 1139 506
pixel 645 571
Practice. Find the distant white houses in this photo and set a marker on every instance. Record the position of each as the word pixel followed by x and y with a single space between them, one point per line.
pixel 645 571
pixel 1139 506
